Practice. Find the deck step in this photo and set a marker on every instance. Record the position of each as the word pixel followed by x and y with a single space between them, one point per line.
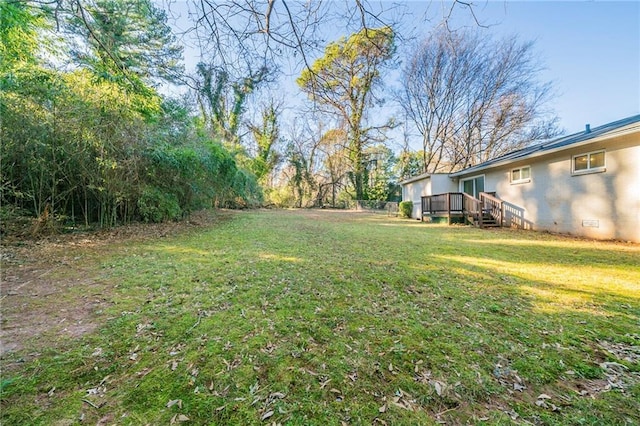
pixel 488 221
pixel 490 225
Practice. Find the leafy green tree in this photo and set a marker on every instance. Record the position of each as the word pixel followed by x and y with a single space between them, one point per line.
pixel 98 142
pixel 380 162
pixel 301 180
pixel 126 41
pixel 223 101
pixel 409 164
pixel 343 82
pixel 66 134
pixel 266 135
pixel 19 35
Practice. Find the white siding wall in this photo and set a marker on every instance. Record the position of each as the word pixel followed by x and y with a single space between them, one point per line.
pixel 414 192
pixel 598 205
pixel 442 183
pixel 437 183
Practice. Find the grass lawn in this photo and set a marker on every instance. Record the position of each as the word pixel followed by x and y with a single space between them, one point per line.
pixel 331 318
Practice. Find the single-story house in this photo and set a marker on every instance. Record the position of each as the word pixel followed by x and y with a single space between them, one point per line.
pixel 585 184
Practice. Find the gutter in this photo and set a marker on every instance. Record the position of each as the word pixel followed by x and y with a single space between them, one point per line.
pixel 415 178
pixel 542 152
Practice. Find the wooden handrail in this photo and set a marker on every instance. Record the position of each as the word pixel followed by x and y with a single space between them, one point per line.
pixel 493 206
pixel 491 197
pixel 470 203
pixel 447 202
pixel 459 203
pixel 472 206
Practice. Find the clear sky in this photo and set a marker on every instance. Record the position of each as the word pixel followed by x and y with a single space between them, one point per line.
pixel 591 50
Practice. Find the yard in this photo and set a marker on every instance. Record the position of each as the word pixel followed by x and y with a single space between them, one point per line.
pixel 320 317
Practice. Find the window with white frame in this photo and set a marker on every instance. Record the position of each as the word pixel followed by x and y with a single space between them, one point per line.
pixel 521 174
pixel 590 162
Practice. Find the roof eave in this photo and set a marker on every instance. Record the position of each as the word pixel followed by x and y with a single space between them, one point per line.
pixel 541 153
pixel 416 178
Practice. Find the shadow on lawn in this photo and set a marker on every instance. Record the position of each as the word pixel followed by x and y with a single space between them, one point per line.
pixel 554 295
pixel 560 251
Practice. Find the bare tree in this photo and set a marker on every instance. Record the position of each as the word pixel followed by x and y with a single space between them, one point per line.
pixel 342 82
pixel 308 146
pixel 332 178
pixel 472 99
pixel 253 31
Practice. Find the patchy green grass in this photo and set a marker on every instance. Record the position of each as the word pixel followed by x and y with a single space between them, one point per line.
pixel 327 318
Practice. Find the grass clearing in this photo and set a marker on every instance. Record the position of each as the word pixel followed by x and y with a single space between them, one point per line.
pixel 319 317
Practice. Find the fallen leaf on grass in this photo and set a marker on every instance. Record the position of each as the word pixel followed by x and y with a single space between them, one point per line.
pixel 269 348
pixel 276 395
pixel 512 414
pixel 439 386
pixel 266 415
pixel 401 404
pixel 179 418
pixel 401 399
pixel 143 372
pixel 544 402
pixel 174 402
pixel 100 390
pixel 307 371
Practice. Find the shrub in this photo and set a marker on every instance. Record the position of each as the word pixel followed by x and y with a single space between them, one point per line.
pixel 405 208
pixel 157 206
pixel 280 197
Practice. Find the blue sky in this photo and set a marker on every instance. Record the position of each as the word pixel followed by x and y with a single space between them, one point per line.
pixel 591 51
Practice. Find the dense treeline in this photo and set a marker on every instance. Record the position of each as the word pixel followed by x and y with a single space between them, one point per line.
pixel 93 144
pixel 87 138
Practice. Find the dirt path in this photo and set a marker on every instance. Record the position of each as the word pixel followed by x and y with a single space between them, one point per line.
pixel 50 289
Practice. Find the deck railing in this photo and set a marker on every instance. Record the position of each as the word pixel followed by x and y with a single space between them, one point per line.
pixel 471 205
pixel 492 206
pixel 459 203
pixel 473 210
pixel 450 202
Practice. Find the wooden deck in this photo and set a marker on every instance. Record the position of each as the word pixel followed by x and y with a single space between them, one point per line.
pixel 484 212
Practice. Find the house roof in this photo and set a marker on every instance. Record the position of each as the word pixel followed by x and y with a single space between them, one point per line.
pixel 415 178
pixel 564 142
pixel 421 177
